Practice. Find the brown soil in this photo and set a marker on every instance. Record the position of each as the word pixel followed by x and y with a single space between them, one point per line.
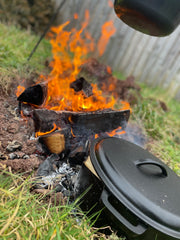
pixel 17 146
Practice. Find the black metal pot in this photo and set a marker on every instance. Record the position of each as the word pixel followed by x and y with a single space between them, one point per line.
pixel 153 17
pixel 139 193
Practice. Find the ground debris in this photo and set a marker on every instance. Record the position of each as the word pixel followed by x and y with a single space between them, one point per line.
pixel 13 146
pixel 23 165
pixel 17 147
pixel 3 156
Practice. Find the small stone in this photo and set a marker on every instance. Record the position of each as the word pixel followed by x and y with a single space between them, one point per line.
pixel 13 128
pixel 6 104
pixel 13 156
pixel 2 156
pixel 13 146
pixel 20 154
pixel 58 188
pixel 26 156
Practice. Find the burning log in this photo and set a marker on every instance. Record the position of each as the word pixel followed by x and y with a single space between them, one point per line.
pixel 70 131
pixel 36 94
pixel 33 95
pixel 99 121
pixel 55 142
pixel 82 85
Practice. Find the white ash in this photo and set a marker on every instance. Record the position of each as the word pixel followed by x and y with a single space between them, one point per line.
pixel 57 175
pixel 32 137
pixel 65 169
pixel 48 180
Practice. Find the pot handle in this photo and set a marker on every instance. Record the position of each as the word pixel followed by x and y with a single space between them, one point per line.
pixel 139 229
pixel 151 162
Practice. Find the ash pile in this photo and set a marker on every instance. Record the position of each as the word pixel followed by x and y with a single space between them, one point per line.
pixel 58 175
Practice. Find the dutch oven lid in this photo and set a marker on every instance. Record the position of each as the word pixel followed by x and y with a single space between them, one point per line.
pixel 140 181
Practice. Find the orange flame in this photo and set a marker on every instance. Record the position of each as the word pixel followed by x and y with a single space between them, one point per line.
pixel 76 16
pixel 70 50
pixel 107 31
pixel 110 3
pixel 109 70
pixel 72 133
pixel 19 90
pixel 38 134
pixel 117 131
pixel 96 136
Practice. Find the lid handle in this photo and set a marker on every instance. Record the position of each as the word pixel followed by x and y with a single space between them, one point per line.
pixel 151 162
pixel 138 229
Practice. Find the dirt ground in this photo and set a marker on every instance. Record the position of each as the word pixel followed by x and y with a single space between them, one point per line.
pixel 18 150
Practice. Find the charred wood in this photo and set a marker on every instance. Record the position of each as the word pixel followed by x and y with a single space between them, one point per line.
pixel 33 95
pixel 82 85
pixel 95 122
pixel 75 130
pixel 55 142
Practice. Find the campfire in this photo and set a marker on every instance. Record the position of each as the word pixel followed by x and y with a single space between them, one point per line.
pixel 68 111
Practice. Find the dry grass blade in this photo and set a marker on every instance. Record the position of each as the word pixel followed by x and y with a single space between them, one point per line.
pixel 9 221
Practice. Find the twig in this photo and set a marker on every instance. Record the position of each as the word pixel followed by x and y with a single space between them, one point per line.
pixel 46 29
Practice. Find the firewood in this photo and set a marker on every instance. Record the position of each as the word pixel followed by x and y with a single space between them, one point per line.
pixel 55 142
pixel 82 85
pixel 75 128
pixel 95 122
pixel 33 95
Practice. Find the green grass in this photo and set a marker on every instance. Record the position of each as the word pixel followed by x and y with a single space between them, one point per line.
pixel 24 215
pixel 15 47
pixel 162 127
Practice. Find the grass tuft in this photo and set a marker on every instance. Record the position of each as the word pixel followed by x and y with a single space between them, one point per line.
pixel 15 47
pixel 162 127
pixel 27 216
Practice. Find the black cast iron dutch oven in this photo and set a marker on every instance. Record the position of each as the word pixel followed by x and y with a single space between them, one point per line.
pixel 153 17
pixel 139 193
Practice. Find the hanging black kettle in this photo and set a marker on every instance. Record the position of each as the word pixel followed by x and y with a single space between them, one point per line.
pixel 153 17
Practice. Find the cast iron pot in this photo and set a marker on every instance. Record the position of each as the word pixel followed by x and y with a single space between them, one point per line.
pixel 140 195
pixel 153 17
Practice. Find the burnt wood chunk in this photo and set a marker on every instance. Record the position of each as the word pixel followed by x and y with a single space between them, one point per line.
pixel 82 85
pixel 70 132
pixel 100 121
pixel 81 122
pixel 33 95
pixel 55 142
pixel 44 120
